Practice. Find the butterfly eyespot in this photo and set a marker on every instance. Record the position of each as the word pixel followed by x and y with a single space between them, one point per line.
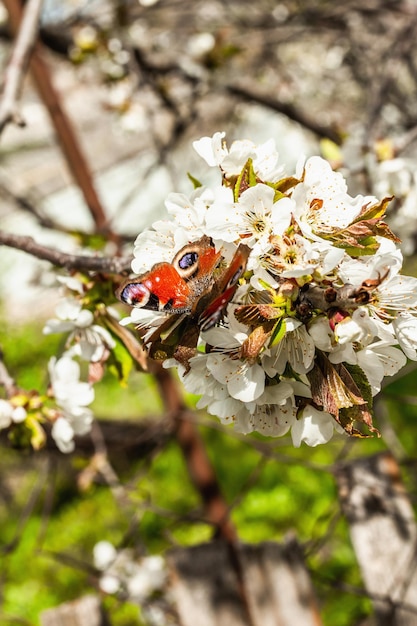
pixel 137 294
pixel 186 262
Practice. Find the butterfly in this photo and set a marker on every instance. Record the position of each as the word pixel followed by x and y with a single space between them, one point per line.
pixel 193 290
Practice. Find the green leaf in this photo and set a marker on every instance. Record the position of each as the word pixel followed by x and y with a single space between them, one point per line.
pixel 247 178
pixel 361 381
pixel 335 389
pixel 196 183
pixel 120 362
pixel 284 185
pixel 37 433
pixel 330 150
pixel 278 333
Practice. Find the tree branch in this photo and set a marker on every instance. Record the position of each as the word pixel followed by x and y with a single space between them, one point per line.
pixel 18 64
pixel 114 265
pixel 200 470
pixel 254 95
pixel 70 145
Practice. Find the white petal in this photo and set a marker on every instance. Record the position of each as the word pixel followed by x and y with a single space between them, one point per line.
pixel 104 553
pixel 58 326
pixel 63 434
pixel 85 318
pixel 19 414
pixel 276 394
pixel 64 370
pixel 81 419
pixel 247 383
pixel 314 428
pixel 321 333
pixel 71 283
pixel 210 149
pixel 6 411
pixel 68 309
pixel 109 584
pixel 405 327
pixel 273 420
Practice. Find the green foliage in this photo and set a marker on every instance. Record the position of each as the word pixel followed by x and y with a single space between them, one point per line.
pixel 140 399
pixel 272 488
pixel 27 352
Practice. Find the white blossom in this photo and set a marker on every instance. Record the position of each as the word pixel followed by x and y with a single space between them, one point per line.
pixel 231 162
pixel 121 571
pixel 6 411
pixel 322 293
pixel 314 427
pixel 86 339
pixel 9 413
pixel 296 348
pixel 405 328
pixel 72 397
pixel 322 199
pixel 63 435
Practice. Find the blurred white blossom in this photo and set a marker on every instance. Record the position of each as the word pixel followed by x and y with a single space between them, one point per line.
pixel 72 397
pixel 87 340
pixel 10 413
pixel 138 578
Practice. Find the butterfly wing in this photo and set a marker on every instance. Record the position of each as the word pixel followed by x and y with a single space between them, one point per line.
pixel 160 289
pixel 192 289
pixel 174 287
pixel 225 287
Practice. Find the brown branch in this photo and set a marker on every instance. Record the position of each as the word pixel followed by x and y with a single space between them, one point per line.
pixel 253 94
pixel 83 263
pixel 63 127
pixel 384 80
pixel 203 477
pixel 27 204
pixel 18 64
pixel 198 463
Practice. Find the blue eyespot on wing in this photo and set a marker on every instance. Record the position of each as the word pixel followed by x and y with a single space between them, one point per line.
pixel 138 295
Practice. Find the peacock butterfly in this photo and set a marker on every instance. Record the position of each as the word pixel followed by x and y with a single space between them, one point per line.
pixel 193 290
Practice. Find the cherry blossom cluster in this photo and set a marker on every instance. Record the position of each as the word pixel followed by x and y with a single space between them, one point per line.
pixel 141 581
pixel 321 315
pixel 64 406
pixel 86 342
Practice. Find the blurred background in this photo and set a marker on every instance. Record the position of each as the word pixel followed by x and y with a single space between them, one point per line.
pixel 131 84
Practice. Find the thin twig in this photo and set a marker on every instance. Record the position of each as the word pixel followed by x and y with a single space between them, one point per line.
pixel 27 510
pixel 18 64
pixel 100 464
pixel 84 263
pixel 6 380
pixel 251 93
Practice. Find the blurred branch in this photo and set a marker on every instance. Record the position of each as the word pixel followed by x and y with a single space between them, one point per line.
pixel 151 69
pixel 387 78
pixel 18 64
pixel 99 464
pixel 113 265
pixel 26 513
pixel 203 476
pixel 64 129
pixel 254 95
pixel 29 206
pixel 200 469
